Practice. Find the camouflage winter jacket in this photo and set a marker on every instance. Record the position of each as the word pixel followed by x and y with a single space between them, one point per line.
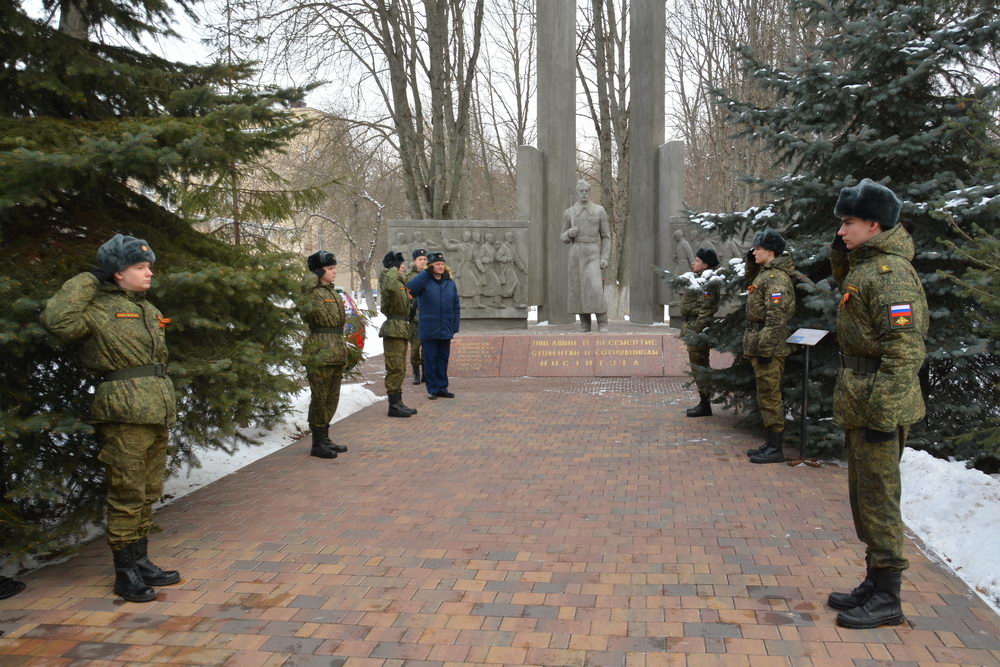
pixel 321 307
pixel 770 304
pixel 414 311
pixel 882 315
pixel 394 302
pixel 120 330
pixel 698 306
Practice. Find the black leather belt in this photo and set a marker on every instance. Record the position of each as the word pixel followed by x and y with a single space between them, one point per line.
pixel 327 330
pixel 397 318
pixel 152 370
pixel 860 364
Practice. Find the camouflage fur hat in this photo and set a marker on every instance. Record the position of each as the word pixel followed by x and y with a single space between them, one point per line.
pixel 769 239
pixel 122 252
pixel 869 200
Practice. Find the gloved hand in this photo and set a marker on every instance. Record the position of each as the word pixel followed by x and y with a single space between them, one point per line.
pixel 838 244
pixel 102 274
pixel 763 361
pixel 871 435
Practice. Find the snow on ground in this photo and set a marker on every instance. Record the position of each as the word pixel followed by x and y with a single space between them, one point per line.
pixel 217 463
pixel 956 512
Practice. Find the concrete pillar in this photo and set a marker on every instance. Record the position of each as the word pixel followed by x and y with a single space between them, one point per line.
pixel 646 120
pixel 557 140
pixel 671 206
pixel 531 209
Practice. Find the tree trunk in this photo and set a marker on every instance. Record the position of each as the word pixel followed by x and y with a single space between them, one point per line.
pixel 72 21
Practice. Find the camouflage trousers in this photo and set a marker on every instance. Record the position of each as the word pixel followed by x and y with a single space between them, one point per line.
pixel 416 351
pixel 769 401
pixel 699 357
pixel 135 458
pixel 874 487
pixel 324 387
pixel 395 363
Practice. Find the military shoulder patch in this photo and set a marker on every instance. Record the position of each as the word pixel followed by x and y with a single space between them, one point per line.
pixel 776 297
pixel 128 316
pixel 900 316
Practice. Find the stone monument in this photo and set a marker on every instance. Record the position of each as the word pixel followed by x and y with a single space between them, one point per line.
pixel 546 175
pixel 586 230
pixel 486 258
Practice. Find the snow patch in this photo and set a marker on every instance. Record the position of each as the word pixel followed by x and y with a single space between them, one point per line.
pixel 956 512
pixel 216 463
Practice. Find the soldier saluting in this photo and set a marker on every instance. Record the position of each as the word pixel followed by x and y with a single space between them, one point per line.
pixel 394 303
pixel 770 304
pixel 324 353
pixel 134 404
pixel 881 323
pixel 698 306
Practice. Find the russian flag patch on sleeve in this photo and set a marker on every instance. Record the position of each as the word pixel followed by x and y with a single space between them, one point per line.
pixel 901 316
pixel 776 297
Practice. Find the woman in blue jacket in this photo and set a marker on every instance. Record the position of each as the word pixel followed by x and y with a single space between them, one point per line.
pixel 438 306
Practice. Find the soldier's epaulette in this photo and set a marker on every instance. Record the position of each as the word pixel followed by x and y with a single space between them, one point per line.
pixel 884 268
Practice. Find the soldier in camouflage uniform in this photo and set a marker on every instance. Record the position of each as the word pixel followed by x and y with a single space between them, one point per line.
pixel 394 302
pixel 324 353
pixel 770 304
pixel 698 306
pixel 881 323
pixel 416 351
pixel 134 403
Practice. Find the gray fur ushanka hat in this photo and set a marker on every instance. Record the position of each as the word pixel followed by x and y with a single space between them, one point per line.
pixel 122 251
pixel 769 239
pixel 869 200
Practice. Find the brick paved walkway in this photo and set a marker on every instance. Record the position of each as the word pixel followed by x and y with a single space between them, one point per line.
pixel 528 521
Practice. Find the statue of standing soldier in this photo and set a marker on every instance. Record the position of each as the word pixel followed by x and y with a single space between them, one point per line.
pixel 586 230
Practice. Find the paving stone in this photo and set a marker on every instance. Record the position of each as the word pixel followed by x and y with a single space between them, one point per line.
pixel 548 521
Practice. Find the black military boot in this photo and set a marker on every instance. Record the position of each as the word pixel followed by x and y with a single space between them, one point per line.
pixel 416 373
pixel 856 597
pixel 703 409
pixel 772 452
pixel 412 411
pixel 338 449
pixel 150 573
pixel 10 587
pixel 758 450
pixel 396 407
pixel 128 581
pixel 320 449
pixel 883 606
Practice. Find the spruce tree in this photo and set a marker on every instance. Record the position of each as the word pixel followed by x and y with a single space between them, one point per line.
pixel 892 91
pixel 92 137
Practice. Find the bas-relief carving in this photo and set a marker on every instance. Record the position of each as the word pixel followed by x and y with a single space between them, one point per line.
pixel 487 264
pixel 684 250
